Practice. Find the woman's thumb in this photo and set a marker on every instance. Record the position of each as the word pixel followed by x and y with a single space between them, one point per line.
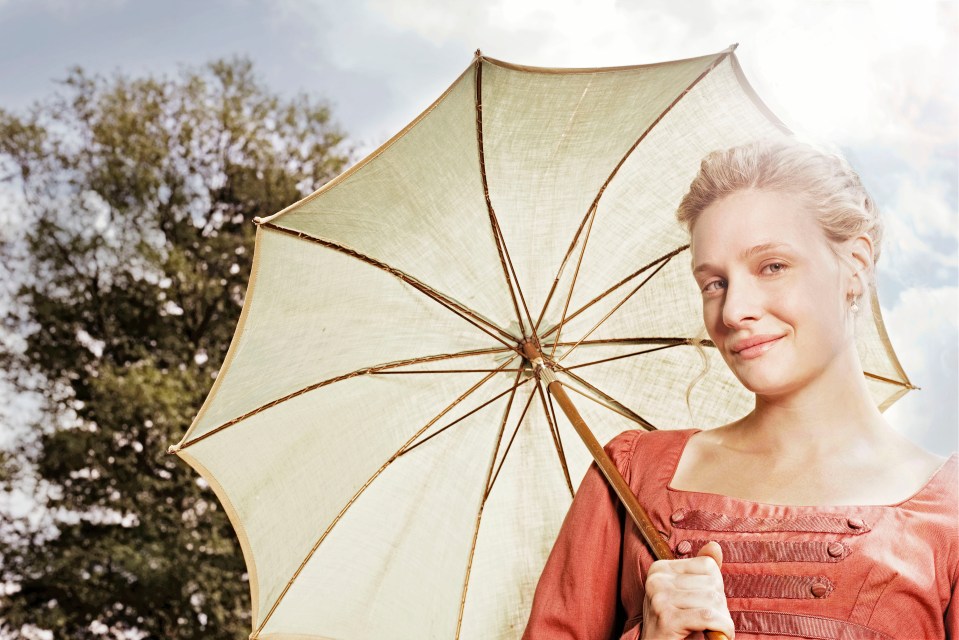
pixel 713 550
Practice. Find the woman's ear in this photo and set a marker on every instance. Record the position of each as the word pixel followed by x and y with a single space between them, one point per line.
pixel 859 250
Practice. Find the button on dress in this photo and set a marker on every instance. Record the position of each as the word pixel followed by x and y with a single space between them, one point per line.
pixel 834 572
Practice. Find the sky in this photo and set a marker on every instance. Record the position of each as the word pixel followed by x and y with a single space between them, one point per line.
pixel 875 78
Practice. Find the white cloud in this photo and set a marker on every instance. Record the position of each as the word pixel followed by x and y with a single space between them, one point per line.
pixel 542 32
pixel 925 205
pixel 921 234
pixel 849 72
pixel 437 23
pixel 855 71
pixel 924 330
pixel 924 316
pixel 65 8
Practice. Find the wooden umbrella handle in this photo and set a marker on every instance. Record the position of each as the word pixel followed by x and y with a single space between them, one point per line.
pixel 656 544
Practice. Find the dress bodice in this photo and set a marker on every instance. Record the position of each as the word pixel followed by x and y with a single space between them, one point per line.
pixel 867 571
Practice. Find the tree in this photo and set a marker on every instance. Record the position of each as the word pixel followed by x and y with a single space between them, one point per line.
pixel 136 244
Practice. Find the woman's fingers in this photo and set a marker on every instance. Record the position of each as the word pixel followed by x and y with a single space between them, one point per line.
pixel 703 565
pixel 698 582
pixel 690 599
pixel 675 614
pixel 712 550
pixel 707 618
pixel 685 596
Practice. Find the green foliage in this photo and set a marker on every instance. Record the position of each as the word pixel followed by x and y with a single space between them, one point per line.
pixel 136 244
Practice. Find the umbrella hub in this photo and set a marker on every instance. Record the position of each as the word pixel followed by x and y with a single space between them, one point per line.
pixel 535 360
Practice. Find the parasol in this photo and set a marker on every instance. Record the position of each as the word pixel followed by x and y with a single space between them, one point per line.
pixel 380 432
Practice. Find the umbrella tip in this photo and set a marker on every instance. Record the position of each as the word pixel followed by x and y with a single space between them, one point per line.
pixel 733 46
pixel 479 54
pixel 173 449
pixel 257 220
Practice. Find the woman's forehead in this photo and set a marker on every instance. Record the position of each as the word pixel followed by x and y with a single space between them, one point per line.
pixel 746 223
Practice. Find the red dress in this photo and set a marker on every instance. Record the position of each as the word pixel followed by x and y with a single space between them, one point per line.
pixel 873 571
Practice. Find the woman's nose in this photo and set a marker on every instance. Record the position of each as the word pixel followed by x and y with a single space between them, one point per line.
pixel 742 303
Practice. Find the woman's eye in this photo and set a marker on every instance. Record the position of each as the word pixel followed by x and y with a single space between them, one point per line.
pixel 709 286
pixel 775 267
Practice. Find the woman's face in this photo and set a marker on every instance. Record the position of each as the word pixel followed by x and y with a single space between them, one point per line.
pixel 774 294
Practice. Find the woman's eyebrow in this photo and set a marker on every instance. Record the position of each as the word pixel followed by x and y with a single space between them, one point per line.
pixel 761 248
pixel 703 267
pixel 746 253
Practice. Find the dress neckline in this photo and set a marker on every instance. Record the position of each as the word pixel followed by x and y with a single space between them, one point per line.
pixel 688 433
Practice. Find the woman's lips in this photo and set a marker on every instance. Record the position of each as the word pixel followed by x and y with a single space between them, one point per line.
pixel 757 349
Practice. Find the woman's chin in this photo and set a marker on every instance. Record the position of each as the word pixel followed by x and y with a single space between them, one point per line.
pixel 767 386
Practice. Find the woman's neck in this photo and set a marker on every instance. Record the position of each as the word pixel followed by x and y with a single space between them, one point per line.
pixel 832 413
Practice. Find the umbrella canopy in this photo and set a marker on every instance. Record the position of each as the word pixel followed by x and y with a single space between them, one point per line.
pixel 389 458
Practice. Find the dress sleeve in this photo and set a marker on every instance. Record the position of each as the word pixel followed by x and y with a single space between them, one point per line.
pixel 577 597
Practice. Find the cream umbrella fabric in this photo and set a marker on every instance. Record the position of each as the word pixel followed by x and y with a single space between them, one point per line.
pixel 390 464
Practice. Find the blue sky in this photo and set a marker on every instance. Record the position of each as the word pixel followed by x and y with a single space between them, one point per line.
pixel 875 78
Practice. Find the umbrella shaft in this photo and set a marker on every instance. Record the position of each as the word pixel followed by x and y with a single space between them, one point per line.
pixel 654 541
pixel 656 544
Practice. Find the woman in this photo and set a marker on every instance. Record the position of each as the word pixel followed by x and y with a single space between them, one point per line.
pixel 824 521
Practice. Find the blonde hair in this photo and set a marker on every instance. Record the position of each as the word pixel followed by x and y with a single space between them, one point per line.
pixel 825 182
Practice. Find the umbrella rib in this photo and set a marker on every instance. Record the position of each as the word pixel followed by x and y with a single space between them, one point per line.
pixel 610 407
pixel 471 412
pixel 400 373
pixel 559 440
pixel 625 355
pixel 509 445
pixel 363 488
pixel 498 237
pixel 615 404
pixel 622 161
pixel 479 513
pixel 569 296
pixel 554 431
pixel 673 342
pixel 614 309
pixel 377 369
pixel 661 259
pixel 459 309
pixel 898 383
pixel 646 340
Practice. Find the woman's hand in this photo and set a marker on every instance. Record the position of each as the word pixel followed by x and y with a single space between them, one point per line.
pixel 685 596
